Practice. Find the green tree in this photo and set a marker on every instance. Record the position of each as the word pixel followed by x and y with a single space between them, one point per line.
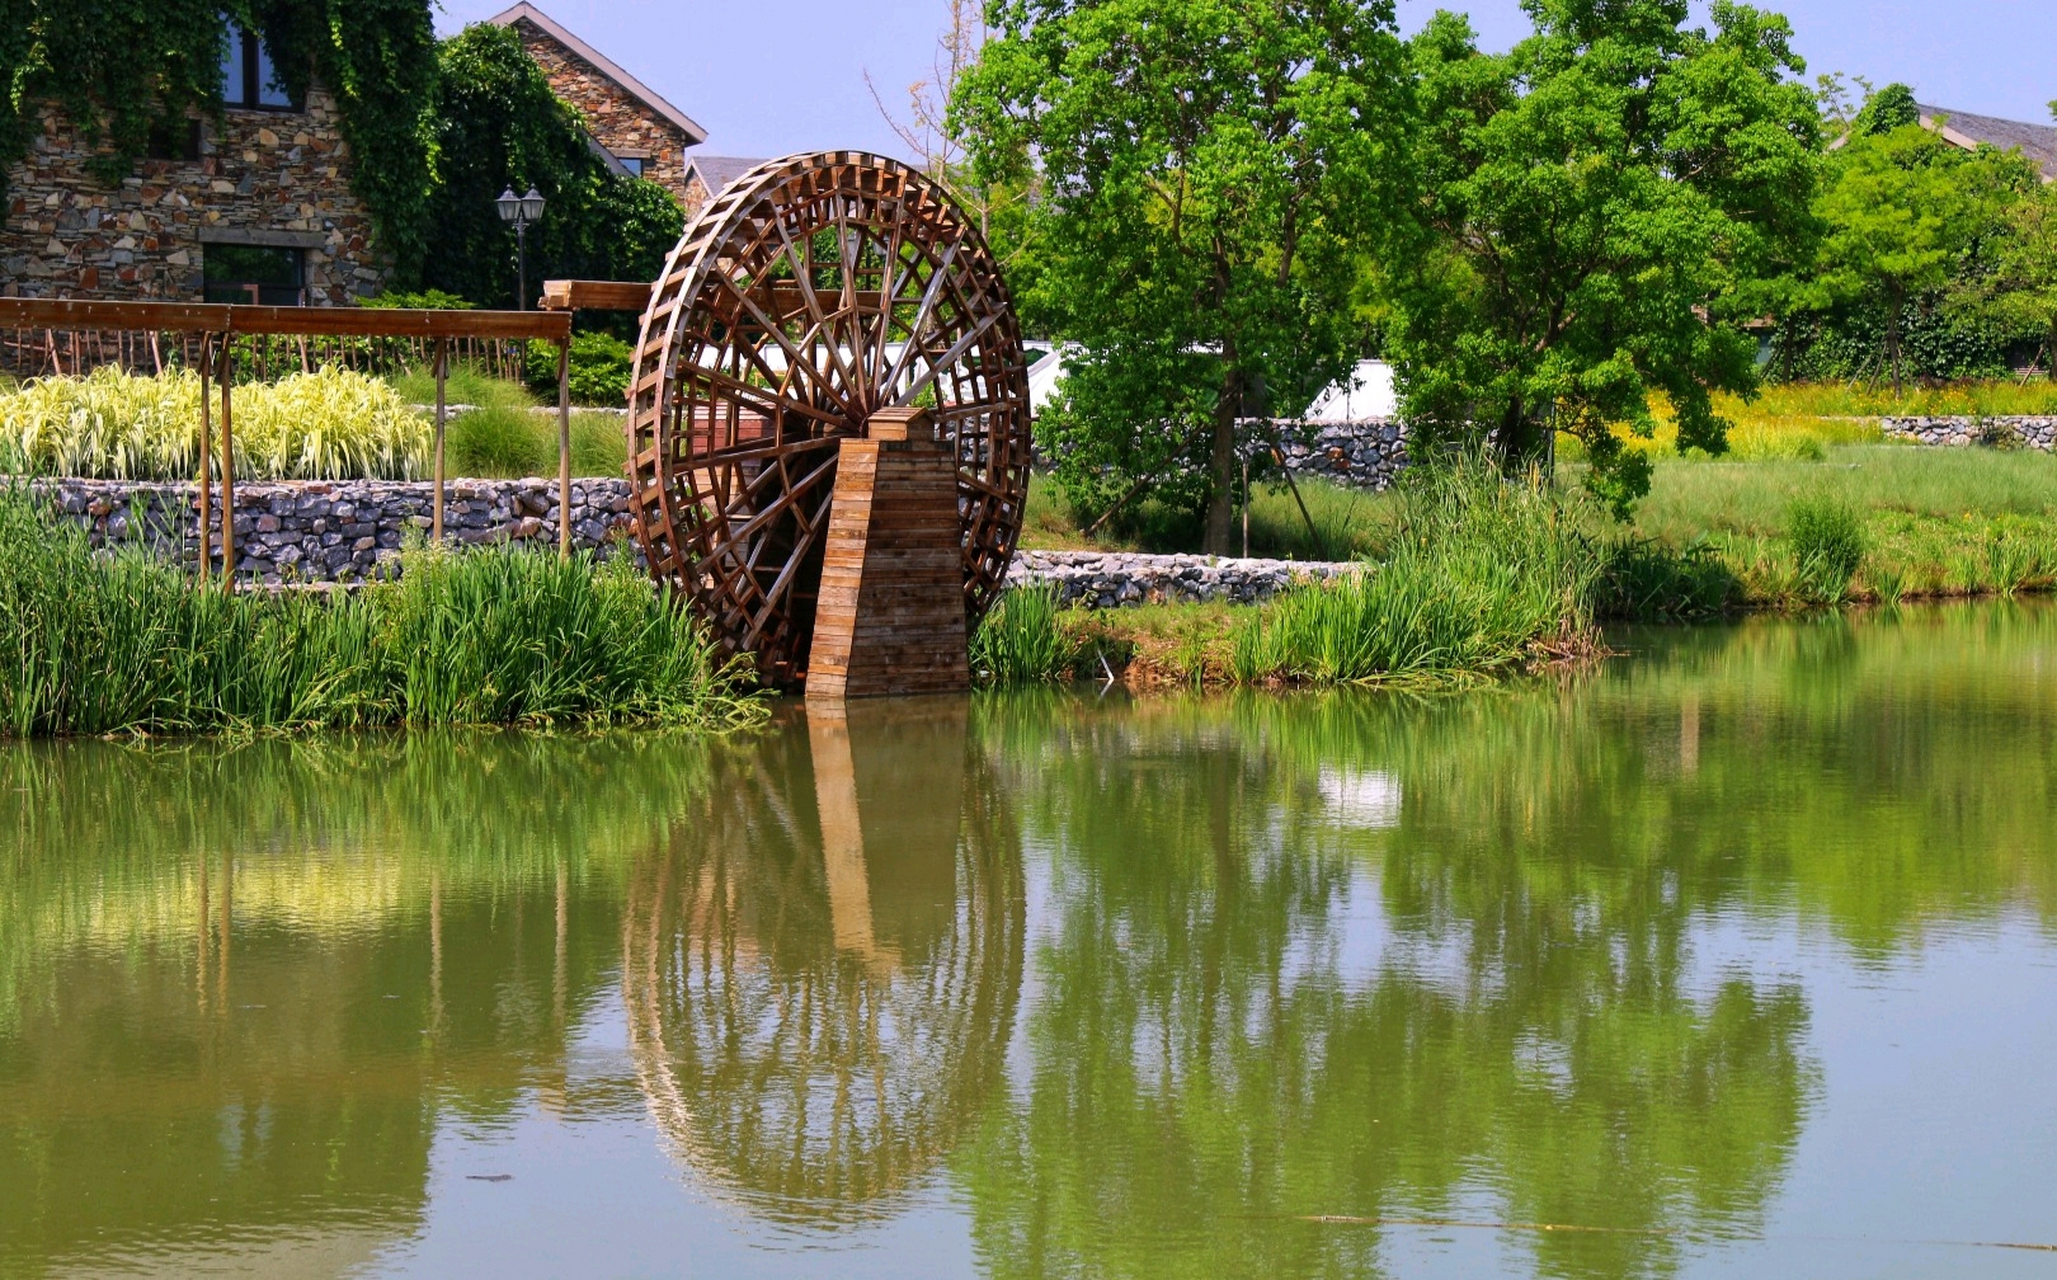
pixel 1206 170
pixel 1903 210
pixel 2019 290
pixel 501 126
pixel 1600 206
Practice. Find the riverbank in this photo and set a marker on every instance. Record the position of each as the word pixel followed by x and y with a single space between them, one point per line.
pixel 101 642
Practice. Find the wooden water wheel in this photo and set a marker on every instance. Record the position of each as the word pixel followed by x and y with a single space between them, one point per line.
pixel 814 292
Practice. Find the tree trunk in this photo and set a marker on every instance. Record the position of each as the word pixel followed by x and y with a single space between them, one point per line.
pixel 2050 351
pixel 1893 343
pixel 1222 461
pixel 1519 441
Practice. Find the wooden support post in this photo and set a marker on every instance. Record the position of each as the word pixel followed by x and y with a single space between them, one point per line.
pixel 442 373
pixel 890 617
pixel 564 448
pixel 228 471
pixel 206 455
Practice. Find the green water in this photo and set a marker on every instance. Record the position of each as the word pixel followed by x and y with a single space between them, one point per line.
pixel 1737 954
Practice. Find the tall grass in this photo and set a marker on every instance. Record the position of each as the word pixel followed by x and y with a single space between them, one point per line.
pixel 1483 575
pixel 1827 539
pixel 1023 640
pixel 93 644
pixel 329 425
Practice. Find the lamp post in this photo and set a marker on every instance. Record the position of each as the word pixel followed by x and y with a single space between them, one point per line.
pixel 521 211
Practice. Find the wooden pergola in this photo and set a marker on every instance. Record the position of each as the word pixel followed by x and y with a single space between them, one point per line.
pixel 217 323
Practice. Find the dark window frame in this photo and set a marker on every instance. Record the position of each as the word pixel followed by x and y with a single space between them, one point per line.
pixel 234 286
pixel 255 61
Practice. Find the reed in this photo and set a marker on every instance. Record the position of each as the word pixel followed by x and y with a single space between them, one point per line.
pixel 1023 640
pixel 92 643
pixel 1482 575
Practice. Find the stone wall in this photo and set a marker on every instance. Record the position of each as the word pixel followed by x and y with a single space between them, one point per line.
pixel 615 118
pixel 1368 454
pixel 264 177
pixel 1112 580
pixel 343 531
pixel 2035 432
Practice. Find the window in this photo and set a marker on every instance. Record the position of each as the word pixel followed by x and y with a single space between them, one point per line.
pixel 248 78
pixel 174 140
pixel 267 275
pixel 634 164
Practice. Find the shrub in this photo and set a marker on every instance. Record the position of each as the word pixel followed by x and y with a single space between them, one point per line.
pixel 329 425
pixel 599 371
pixel 1827 538
pixel 423 299
pixel 93 643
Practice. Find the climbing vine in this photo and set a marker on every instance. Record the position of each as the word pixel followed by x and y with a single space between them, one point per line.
pixel 121 68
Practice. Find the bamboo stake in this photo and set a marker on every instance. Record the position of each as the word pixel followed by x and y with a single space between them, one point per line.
pixel 564 449
pixel 442 371
pixel 228 472
pixel 206 457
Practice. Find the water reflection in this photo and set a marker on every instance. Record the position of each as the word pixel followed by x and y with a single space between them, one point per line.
pixel 821 980
pixel 1101 987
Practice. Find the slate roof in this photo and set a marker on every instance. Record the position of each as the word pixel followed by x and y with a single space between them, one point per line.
pixel 716 172
pixel 2037 141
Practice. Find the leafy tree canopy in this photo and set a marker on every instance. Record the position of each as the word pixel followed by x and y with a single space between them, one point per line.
pixel 501 126
pixel 1204 172
pixel 1601 206
pixel 1906 212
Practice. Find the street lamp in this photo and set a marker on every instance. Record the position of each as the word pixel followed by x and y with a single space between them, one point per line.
pixel 521 211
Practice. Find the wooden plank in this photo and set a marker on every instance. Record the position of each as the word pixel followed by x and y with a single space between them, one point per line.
pixel 596 295
pixel 333 322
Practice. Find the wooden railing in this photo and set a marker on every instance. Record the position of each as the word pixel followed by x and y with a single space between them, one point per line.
pixel 219 331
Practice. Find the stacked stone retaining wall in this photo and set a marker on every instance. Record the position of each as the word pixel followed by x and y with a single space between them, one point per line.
pixel 340 531
pixel 2037 432
pixel 1367 454
pixel 352 531
pixel 1112 580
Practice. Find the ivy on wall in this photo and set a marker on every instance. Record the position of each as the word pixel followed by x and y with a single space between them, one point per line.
pixel 500 125
pixel 119 68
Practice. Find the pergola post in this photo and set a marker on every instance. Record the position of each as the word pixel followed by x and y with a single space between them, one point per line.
pixel 228 471
pixel 564 447
pixel 206 455
pixel 442 373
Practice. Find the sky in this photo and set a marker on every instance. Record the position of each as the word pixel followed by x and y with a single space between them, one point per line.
pixel 771 77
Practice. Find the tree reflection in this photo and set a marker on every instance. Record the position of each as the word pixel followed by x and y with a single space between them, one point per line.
pixel 1254 1011
pixel 821 978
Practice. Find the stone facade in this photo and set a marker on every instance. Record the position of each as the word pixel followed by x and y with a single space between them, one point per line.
pixel 2035 432
pixel 275 178
pixel 621 117
pixel 342 531
pixel 1113 580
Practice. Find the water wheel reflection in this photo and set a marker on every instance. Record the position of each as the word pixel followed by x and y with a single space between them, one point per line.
pixel 821 978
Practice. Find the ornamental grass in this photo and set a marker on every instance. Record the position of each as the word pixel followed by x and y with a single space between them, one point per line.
pixel 333 424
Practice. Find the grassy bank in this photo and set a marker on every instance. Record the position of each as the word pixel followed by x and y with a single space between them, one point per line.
pixel 94 644
pixel 1479 577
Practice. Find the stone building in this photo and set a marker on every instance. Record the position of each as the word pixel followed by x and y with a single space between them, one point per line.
pixel 255 209
pixel 637 128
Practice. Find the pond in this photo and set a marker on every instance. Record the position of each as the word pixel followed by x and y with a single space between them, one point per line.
pixel 1735 955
